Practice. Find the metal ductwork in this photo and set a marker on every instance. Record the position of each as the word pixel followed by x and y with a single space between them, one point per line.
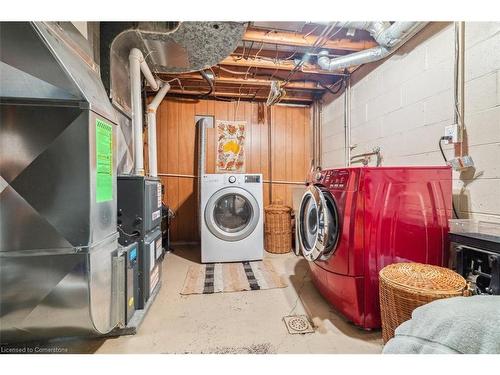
pixel 57 186
pixel 201 126
pixel 390 38
pixel 167 47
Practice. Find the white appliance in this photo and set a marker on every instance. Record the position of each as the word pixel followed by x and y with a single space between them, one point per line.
pixel 232 217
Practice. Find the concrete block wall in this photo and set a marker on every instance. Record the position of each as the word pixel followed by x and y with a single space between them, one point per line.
pixel 402 104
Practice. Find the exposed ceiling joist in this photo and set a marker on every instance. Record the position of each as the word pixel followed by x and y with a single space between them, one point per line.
pixel 242 95
pixel 271 54
pixel 270 64
pixel 302 85
pixel 298 40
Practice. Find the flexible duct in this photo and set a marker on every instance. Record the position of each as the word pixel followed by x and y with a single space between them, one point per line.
pixel 375 28
pixel 151 111
pixel 138 65
pixel 390 39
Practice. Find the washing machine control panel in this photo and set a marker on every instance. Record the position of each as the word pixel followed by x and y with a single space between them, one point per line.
pixel 336 179
pixel 232 179
pixel 252 178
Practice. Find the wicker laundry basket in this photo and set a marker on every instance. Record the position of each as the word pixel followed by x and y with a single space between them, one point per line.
pixel 406 286
pixel 278 228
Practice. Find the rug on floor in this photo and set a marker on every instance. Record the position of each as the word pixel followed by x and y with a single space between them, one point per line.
pixel 231 277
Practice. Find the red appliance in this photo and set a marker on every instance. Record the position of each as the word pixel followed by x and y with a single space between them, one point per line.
pixel 355 221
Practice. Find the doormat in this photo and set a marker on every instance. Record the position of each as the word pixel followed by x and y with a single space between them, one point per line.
pixel 231 277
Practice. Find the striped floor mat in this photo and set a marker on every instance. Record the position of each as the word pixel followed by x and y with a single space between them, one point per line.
pixel 231 277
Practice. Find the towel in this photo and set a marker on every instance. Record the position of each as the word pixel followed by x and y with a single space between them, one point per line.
pixel 468 325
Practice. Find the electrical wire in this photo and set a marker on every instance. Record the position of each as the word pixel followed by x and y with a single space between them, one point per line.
pixel 133 235
pixel 447 138
pixel 310 32
pixel 276 62
pixel 243 53
pixel 319 42
pixel 249 50
pixel 277 91
pixel 340 82
pixel 171 80
pixel 231 71
pixel 322 39
pixel 254 58
pixel 299 292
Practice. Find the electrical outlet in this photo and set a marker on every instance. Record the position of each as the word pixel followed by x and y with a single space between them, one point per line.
pixel 453 133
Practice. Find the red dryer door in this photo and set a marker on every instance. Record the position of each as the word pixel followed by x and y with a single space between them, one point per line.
pixel 318 224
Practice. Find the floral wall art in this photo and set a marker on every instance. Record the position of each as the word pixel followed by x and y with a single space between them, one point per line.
pixel 230 147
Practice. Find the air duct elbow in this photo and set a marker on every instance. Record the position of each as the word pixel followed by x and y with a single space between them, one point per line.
pixel 398 33
pixel 324 60
pixel 375 28
pixel 358 58
pixel 390 38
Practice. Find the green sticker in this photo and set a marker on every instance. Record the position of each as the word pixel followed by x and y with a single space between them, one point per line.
pixel 104 161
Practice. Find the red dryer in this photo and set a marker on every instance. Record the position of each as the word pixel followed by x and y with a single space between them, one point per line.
pixel 355 221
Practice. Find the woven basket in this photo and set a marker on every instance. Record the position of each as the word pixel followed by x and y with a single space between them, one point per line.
pixel 406 286
pixel 278 228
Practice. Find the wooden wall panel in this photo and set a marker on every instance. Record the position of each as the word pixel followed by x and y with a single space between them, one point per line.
pixel 178 155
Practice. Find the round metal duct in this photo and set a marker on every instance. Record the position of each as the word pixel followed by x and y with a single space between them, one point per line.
pixel 171 47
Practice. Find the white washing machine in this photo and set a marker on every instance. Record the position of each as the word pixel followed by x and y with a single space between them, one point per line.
pixel 232 217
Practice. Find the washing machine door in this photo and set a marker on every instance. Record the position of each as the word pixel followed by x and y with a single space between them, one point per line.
pixel 319 225
pixel 232 214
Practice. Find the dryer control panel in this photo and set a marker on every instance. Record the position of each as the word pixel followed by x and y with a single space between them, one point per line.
pixel 335 179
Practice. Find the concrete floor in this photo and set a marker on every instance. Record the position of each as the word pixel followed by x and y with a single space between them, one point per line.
pixel 240 322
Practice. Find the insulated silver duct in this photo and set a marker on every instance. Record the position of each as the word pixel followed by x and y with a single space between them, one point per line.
pixel 375 28
pixel 390 39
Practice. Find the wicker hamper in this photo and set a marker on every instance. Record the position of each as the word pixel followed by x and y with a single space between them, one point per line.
pixel 406 286
pixel 278 228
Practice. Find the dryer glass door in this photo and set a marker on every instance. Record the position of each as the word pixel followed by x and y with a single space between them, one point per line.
pixel 232 214
pixel 318 224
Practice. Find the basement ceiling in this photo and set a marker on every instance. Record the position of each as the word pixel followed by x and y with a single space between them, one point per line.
pixel 275 51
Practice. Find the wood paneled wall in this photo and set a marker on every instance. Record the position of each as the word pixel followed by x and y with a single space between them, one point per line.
pixel 289 149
